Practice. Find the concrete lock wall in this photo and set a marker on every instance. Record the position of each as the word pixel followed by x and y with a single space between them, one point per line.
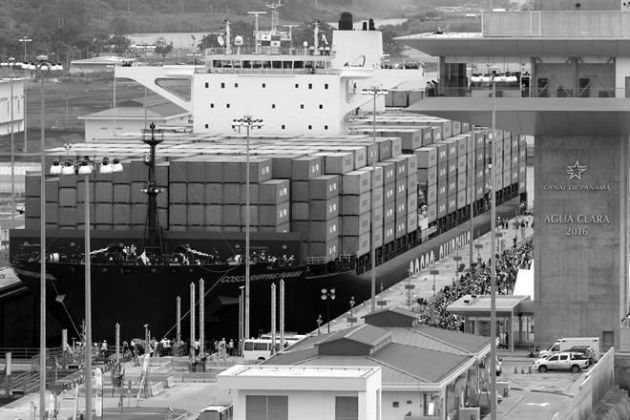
pixel 581 271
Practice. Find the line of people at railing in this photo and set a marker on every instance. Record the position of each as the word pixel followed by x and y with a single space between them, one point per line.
pixel 476 281
pixel 182 255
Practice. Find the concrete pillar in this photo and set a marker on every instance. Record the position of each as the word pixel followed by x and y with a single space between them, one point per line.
pixel 581 280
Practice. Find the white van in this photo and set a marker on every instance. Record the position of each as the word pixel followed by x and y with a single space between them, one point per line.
pixel 564 344
pixel 260 348
pixel 216 412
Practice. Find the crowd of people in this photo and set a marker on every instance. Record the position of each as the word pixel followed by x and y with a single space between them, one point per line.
pixel 476 281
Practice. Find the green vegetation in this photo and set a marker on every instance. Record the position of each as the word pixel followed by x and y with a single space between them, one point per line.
pixel 71 29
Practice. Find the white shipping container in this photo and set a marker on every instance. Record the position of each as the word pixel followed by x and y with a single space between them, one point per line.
pixel 300 190
pixel 337 163
pixel 355 225
pixel 376 175
pixel 253 215
pixel 177 193
pixel 377 196
pixel 356 245
pixel 214 193
pixel 377 216
pixel 232 193
pixel 196 193
pixel 356 182
pixel 321 188
pixel 214 215
pixel 273 215
pixel 355 204
pixel 68 197
pixel 274 191
pixel 323 231
pixel 323 209
pixel 196 214
pixel 306 167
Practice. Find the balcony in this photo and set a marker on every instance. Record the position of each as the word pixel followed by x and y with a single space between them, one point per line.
pixel 557 24
pixel 483 90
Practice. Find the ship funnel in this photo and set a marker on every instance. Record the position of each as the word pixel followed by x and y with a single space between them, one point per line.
pixel 371 25
pixel 345 21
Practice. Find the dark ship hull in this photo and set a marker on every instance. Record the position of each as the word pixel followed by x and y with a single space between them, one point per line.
pixel 133 294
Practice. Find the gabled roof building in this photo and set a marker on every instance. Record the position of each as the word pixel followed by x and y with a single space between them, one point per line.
pixel 425 371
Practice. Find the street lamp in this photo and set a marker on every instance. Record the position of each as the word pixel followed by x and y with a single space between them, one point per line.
pixel 493 261
pixel 248 123
pixel 327 296
pixel 25 40
pixel 42 255
pixel 374 91
pixel 84 168
pixel 434 273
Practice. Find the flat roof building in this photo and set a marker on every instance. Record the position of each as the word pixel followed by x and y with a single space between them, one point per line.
pixel 298 392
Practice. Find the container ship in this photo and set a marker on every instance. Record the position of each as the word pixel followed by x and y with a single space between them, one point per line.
pixel 322 194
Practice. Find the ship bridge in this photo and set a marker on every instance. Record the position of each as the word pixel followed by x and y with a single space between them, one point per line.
pixel 563 76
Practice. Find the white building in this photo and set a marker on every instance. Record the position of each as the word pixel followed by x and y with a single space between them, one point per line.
pixel 11 112
pixel 100 64
pixel 268 392
pixel 131 117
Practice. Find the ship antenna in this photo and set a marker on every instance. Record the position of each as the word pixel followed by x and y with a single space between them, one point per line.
pixel 228 47
pixel 274 6
pixel 152 137
pixel 316 37
pixel 256 15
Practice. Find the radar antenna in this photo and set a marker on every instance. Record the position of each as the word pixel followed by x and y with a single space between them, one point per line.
pixel 274 6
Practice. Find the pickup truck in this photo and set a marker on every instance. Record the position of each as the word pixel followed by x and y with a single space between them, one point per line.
pixel 573 362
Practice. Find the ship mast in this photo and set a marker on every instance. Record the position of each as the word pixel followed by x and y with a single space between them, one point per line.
pixel 151 189
pixel 256 15
pixel 274 6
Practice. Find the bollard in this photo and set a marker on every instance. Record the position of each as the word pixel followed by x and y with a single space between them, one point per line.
pixel 515 369
pixel 530 369
pixel 522 371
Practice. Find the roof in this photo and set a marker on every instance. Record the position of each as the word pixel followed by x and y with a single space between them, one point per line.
pixel 163 110
pixel 103 60
pixel 406 355
pixel 468 45
pixel 297 371
pixel 506 305
pixel 396 309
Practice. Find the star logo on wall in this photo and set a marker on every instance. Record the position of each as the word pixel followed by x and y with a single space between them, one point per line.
pixel 576 170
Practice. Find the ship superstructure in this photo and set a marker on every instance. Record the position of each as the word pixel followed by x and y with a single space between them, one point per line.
pixel 296 89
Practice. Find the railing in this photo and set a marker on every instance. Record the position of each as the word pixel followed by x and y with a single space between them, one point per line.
pixel 19 352
pixel 557 24
pixel 527 92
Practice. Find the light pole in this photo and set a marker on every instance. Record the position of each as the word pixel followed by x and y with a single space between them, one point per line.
pixel 85 169
pixel 25 40
pixel 434 273
pixel 327 296
pixel 249 123
pixel 493 271
pixel 374 91
pixel 42 254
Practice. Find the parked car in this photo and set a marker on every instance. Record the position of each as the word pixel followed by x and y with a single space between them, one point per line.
pixel 586 351
pixel 573 362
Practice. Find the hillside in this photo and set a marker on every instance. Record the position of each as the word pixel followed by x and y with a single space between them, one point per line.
pixel 68 29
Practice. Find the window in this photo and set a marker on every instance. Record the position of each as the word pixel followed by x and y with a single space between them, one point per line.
pixel 321 106
pixel 346 408
pixel 206 125
pixel 297 85
pixel 301 106
pixel 235 85
pixel 310 86
pixel 211 105
pixel 325 127
pixel 266 407
pixel 409 402
pixel 310 127
pixel 273 106
pixel 207 85
pixel 283 126
pixel 222 85
pixel 227 105
pixel 395 404
pixel 325 85
pixel 264 85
